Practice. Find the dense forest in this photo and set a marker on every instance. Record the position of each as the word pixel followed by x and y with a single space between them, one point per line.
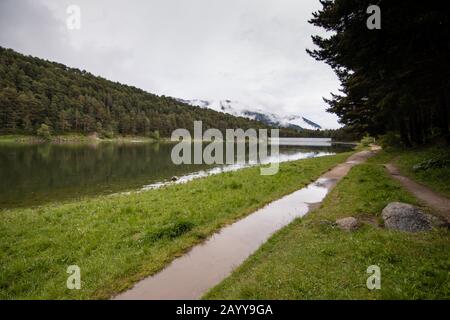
pixel 34 92
pixel 395 79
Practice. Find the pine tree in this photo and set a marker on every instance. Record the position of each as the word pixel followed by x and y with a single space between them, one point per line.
pixel 395 78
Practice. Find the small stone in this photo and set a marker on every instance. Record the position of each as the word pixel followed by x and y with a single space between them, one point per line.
pixel 174 178
pixel 347 224
pixel 408 218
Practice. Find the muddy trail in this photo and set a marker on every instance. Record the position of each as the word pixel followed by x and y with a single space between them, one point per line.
pixel 439 203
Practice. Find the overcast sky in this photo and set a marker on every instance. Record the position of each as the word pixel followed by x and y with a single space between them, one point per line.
pixel 252 51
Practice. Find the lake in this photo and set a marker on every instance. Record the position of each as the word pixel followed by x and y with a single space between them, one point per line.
pixel 37 174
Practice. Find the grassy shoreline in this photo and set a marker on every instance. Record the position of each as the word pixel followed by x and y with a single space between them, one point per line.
pixel 76 139
pixel 119 240
pixel 312 259
pixel 84 139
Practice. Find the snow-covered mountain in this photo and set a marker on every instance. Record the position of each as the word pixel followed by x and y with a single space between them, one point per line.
pixel 241 110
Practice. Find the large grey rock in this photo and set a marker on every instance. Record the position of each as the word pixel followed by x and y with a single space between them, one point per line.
pixel 408 218
pixel 347 224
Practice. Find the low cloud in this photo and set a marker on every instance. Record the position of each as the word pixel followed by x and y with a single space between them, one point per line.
pixel 251 51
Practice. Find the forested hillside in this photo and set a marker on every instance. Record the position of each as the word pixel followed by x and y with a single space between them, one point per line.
pixel 35 92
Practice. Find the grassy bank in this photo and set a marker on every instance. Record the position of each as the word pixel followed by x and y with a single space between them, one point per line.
pixel 74 139
pixel 312 259
pixel 118 240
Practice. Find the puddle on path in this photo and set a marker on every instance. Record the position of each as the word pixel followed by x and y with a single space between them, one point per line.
pixel 204 266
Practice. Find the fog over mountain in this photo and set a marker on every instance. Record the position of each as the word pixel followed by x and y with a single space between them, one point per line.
pixel 251 51
pixel 236 108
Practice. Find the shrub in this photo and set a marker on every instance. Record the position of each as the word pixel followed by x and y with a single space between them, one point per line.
pixel 367 140
pixel 108 134
pixel 44 132
pixel 434 163
pixel 156 135
pixel 390 140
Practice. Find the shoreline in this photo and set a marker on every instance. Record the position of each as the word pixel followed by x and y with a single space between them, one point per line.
pixel 93 139
pixel 76 139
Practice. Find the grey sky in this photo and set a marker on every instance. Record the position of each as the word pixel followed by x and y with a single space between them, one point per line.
pixel 251 51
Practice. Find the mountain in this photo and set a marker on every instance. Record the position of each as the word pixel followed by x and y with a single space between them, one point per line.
pixel 34 92
pixel 241 110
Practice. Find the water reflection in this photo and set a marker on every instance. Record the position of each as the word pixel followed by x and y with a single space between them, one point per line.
pixel 36 174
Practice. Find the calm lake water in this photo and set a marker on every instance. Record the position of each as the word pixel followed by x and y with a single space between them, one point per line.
pixel 36 174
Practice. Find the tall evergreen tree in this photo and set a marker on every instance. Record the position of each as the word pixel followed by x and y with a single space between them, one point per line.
pixel 396 78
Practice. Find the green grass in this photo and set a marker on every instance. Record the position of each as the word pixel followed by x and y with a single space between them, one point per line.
pixel 10 138
pixel 313 259
pixel 74 138
pixel 437 178
pixel 120 239
pixel 33 139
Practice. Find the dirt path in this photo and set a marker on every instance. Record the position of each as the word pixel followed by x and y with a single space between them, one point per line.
pixel 432 199
pixel 207 264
